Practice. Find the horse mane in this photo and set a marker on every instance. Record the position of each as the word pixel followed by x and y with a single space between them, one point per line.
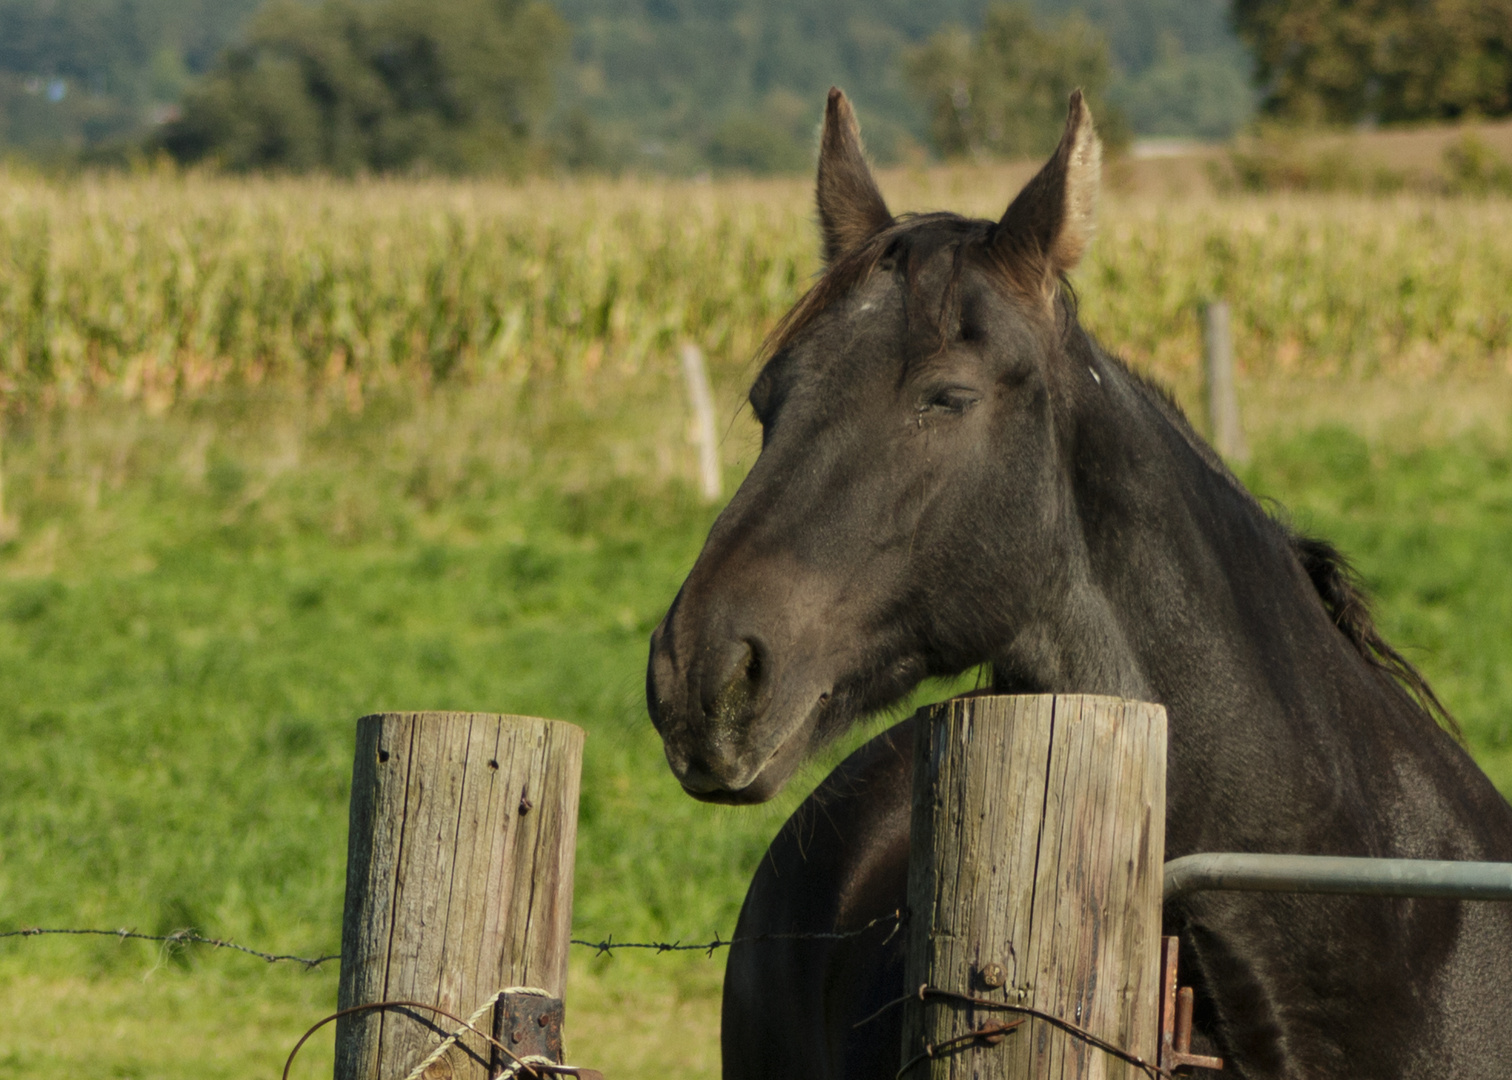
pixel 1348 604
pixel 1334 579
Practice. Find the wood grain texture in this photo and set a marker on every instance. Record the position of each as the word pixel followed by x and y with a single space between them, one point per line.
pixel 1038 840
pixel 459 879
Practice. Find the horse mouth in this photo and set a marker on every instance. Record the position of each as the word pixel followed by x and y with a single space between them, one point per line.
pixel 765 780
pixel 757 791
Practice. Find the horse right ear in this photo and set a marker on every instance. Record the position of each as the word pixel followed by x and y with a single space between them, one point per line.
pixel 850 206
pixel 1048 226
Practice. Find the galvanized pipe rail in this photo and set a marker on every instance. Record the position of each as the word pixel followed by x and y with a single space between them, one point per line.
pixel 1337 876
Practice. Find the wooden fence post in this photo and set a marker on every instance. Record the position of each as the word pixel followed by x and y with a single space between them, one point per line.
pixel 1034 879
pixel 1223 395
pixel 701 397
pixel 459 882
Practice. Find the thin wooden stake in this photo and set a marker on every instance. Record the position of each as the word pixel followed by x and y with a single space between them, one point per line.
pixel 696 374
pixel 8 528
pixel 1223 396
pixel 1034 878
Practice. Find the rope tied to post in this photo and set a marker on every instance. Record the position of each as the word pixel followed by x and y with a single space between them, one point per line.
pixel 470 1025
pixel 992 1034
pixel 533 1066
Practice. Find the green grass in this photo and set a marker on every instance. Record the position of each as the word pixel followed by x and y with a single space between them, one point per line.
pixel 197 606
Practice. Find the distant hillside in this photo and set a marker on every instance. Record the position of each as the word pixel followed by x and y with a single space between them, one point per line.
pixel 679 85
pixel 683 83
pixel 76 74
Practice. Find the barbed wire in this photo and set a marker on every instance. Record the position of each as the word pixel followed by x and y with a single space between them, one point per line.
pixel 605 947
pixel 171 940
pixel 989 1034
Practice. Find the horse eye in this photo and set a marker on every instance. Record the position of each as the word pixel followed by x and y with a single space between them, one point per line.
pixel 951 399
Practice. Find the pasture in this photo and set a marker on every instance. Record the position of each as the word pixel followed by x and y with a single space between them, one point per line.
pixel 282 453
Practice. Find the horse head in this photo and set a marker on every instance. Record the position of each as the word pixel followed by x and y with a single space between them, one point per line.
pixel 909 513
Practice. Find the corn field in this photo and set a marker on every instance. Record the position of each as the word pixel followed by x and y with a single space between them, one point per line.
pixel 161 287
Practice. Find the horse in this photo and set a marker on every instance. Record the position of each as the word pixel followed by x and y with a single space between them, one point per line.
pixel 953 473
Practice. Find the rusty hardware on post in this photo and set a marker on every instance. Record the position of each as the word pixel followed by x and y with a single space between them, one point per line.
pixel 1176 1018
pixel 530 1025
pixel 992 975
pixel 992 1034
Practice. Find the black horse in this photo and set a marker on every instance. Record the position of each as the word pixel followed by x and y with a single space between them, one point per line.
pixel 953 473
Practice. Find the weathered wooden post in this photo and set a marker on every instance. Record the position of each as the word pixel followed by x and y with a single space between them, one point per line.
pixel 1223 395
pixel 459 885
pixel 1038 838
pixel 701 397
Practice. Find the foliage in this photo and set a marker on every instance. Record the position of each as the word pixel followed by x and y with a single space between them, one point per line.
pixel 776 138
pixel 1179 70
pixel 157 288
pixel 677 85
pixel 658 81
pixel 79 74
pixel 399 84
pixel 1338 61
pixel 669 85
pixel 1280 158
pixel 1472 168
pixel 1206 94
pixel 1004 91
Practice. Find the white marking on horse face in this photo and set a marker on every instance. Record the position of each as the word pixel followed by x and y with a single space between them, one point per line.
pixel 866 306
pixel 1095 375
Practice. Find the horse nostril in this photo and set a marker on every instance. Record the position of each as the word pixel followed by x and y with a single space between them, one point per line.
pixel 732 696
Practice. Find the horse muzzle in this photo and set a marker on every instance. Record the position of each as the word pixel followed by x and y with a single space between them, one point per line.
pixel 714 711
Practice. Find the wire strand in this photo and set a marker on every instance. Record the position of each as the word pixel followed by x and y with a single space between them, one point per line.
pixel 605 947
pixel 925 991
pixel 177 937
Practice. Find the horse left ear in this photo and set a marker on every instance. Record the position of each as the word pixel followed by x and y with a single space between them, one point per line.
pixel 850 206
pixel 1048 226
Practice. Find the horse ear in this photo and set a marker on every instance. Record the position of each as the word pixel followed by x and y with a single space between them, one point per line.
pixel 850 206
pixel 1048 226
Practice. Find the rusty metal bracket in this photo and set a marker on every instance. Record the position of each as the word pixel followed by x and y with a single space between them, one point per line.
pixel 1176 1018
pixel 530 1025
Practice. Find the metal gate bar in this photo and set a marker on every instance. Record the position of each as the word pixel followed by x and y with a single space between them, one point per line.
pixel 1422 878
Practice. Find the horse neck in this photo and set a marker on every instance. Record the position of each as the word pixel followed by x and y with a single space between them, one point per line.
pixel 1169 562
pixel 1186 593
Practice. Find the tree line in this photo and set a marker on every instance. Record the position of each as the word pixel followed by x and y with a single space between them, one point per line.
pixel 387 86
pixel 514 85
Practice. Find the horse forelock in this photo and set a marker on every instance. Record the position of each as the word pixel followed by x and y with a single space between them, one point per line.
pixel 910 240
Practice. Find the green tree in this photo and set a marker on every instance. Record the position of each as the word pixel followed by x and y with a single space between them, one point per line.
pixel 394 85
pixel 1003 92
pixel 76 75
pixel 1342 61
pixel 1207 94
